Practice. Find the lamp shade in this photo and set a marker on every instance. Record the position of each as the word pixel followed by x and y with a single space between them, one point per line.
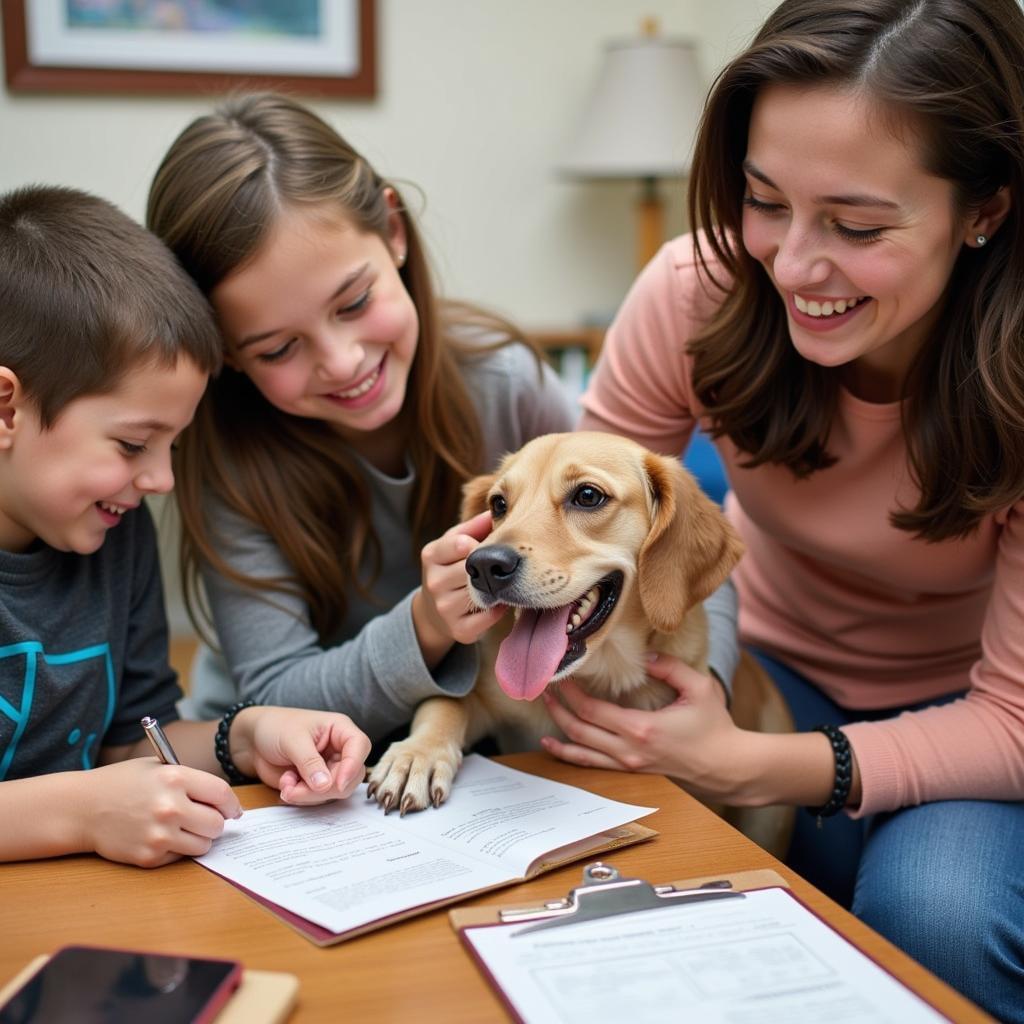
pixel 642 113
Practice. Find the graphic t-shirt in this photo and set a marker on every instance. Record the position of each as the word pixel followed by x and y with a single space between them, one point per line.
pixel 83 650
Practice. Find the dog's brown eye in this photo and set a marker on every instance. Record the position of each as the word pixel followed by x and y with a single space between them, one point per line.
pixel 588 496
pixel 498 506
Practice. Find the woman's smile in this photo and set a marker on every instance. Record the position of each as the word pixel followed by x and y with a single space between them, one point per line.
pixel 858 238
pixel 820 314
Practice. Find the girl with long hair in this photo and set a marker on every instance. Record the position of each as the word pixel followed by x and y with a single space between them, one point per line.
pixel 332 447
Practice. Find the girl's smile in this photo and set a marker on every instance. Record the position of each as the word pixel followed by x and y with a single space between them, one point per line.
pixel 321 322
pixel 365 391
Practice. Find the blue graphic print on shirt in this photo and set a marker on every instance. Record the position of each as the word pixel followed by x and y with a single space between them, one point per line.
pixel 32 651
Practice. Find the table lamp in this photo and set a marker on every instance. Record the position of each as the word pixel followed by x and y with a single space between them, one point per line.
pixel 639 123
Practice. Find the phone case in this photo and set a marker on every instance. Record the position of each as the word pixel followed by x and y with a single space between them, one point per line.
pixel 262 997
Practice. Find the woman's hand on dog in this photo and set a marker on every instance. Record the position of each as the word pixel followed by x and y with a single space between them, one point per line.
pixel 693 739
pixel 442 612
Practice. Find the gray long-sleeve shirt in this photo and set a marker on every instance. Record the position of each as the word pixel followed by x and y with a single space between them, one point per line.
pixel 372 669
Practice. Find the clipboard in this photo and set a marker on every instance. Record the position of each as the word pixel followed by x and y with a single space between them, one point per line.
pixel 263 997
pixel 600 896
pixel 753 940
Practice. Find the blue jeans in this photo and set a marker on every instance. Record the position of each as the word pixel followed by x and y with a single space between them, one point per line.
pixel 943 881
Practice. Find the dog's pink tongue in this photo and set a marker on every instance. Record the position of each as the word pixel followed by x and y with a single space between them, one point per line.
pixel 529 655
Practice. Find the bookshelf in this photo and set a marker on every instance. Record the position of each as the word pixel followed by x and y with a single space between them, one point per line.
pixel 572 352
pixel 587 338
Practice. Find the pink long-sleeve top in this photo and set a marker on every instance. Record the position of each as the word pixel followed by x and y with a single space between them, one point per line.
pixel 873 616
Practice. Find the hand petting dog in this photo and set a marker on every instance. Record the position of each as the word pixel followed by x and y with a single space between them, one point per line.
pixel 693 739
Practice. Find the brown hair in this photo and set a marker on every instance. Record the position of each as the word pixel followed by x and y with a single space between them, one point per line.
pixel 213 200
pixel 86 295
pixel 955 68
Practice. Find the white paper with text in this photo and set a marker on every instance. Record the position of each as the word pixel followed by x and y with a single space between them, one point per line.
pixel 345 864
pixel 764 959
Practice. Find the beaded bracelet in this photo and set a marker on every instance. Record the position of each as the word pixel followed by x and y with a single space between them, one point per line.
pixel 223 750
pixel 844 773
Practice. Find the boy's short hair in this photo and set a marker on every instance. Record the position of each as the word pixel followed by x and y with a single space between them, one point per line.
pixel 87 294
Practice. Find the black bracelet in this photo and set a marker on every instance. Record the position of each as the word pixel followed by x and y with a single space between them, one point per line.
pixel 844 773
pixel 223 750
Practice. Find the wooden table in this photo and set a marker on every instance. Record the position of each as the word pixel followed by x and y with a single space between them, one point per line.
pixel 412 972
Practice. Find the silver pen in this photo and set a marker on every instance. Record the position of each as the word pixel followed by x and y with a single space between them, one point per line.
pixel 161 744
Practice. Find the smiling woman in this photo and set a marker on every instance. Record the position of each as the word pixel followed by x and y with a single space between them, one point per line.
pixel 858 239
pixel 849 328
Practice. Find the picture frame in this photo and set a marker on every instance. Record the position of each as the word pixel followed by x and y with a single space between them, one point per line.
pixel 314 47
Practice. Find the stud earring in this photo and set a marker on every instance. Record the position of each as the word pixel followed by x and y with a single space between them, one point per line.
pixel 981 240
pixel 400 260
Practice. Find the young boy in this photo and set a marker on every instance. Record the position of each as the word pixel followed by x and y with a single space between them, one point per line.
pixel 105 349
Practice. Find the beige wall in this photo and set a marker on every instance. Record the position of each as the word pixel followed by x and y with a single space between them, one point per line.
pixel 475 99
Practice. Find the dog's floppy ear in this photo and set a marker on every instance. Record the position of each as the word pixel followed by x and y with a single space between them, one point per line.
pixel 690 550
pixel 474 495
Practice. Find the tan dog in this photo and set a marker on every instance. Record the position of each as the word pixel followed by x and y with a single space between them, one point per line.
pixel 605 551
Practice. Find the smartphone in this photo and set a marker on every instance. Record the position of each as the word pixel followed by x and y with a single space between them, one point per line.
pixel 95 985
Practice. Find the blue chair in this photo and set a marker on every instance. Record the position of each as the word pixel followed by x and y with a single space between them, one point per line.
pixel 701 459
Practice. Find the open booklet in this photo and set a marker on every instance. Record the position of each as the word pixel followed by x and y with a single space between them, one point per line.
pixel 342 869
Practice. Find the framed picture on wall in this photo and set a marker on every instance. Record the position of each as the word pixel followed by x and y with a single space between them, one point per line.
pixel 317 47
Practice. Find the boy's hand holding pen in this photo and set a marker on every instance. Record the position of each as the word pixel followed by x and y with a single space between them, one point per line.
pixel 147 815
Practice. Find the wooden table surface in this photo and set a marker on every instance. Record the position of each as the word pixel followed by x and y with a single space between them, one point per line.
pixel 412 972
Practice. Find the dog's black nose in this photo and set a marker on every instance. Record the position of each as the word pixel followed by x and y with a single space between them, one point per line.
pixel 492 568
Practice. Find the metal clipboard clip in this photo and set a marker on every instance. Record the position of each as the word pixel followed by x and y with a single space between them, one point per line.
pixel 605 893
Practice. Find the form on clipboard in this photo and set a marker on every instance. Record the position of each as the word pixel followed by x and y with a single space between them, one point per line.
pixel 620 949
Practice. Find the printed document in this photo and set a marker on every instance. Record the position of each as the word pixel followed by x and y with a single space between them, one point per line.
pixel 763 959
pixel 345 864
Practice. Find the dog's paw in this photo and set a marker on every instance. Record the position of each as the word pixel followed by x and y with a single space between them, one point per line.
pixel 412 775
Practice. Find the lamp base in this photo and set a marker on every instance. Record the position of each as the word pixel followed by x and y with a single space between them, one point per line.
pixel 650 233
